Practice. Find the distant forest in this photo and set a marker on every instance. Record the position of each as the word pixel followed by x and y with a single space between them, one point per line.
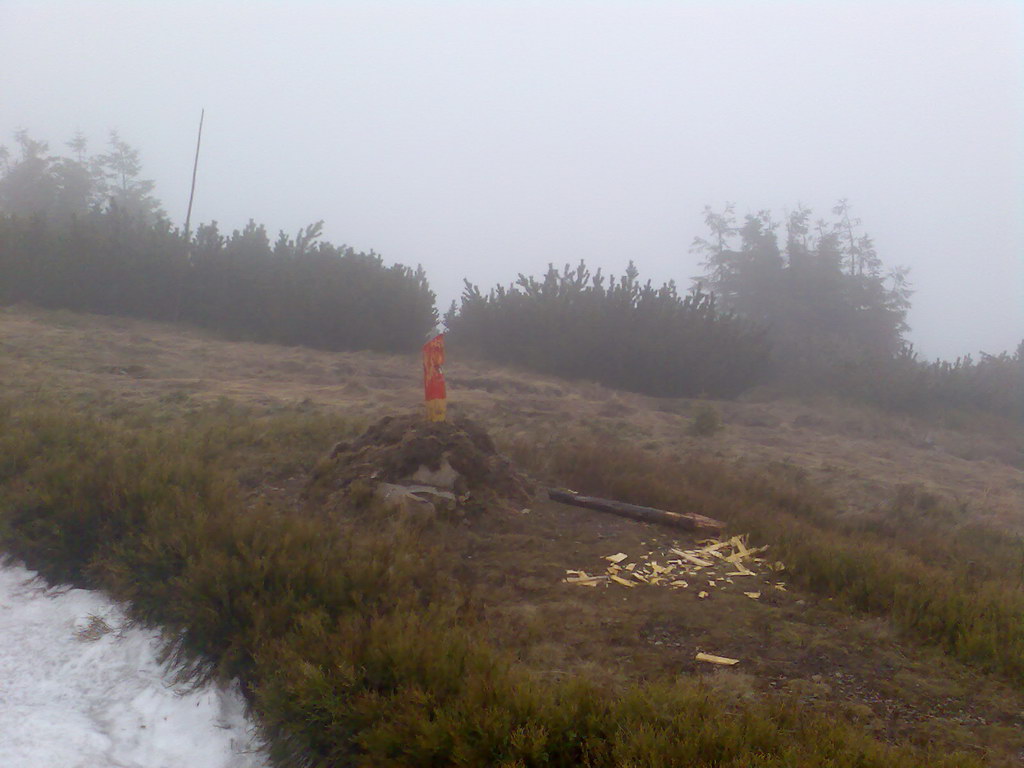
pixel 804 304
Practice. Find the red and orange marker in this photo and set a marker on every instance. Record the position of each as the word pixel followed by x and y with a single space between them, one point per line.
pixel 433 379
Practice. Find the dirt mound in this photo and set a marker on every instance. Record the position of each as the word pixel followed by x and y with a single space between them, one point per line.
pixel 458 456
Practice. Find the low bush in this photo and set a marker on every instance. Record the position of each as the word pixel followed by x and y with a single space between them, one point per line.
pixel 292 291
pixel 625 333
pixel 706 421
pixel 983 392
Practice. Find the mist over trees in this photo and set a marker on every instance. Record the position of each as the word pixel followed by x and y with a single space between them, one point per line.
pixel 835 315
pixel 822 295
pixel 87 234
pixel 35 182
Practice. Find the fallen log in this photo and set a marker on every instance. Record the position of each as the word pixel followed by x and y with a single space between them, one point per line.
pixel 689 521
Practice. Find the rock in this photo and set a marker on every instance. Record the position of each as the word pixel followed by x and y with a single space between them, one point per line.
pixel 403 500
pixel 444 476
pixel 441 499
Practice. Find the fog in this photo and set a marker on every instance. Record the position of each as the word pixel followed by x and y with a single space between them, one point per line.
pixel 486 139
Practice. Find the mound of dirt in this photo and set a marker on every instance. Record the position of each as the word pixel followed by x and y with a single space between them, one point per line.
pixel 458 456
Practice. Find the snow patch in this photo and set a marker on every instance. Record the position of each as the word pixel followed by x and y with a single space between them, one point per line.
pixel 81 688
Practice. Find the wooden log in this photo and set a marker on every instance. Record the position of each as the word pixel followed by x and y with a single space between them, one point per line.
pixel 689 521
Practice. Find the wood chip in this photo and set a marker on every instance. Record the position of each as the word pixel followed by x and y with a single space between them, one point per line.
pixel 740 545
pixel 692 558
pixel 582 579
pixel 713 548
pixel 701 564
pixel 712 659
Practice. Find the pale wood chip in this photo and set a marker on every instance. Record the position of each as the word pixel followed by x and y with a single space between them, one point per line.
pixel 691 558
pixel 714 547
pixel 740 543
pixel 712 659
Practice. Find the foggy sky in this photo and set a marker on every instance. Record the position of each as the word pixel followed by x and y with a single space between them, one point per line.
pixel 484 139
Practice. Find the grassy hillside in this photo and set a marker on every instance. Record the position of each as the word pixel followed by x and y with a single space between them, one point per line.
pixel 168 467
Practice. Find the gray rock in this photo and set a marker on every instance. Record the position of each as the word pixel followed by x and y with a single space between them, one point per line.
pixel 444 476
pixel 401 499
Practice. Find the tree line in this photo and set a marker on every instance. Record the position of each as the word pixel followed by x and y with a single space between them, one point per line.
pixel 805 304
pixel 86 234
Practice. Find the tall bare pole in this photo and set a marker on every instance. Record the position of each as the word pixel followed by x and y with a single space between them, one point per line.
pixel 195 167
pixel 188 218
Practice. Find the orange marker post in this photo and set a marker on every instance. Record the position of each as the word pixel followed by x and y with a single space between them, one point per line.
pixel 433 379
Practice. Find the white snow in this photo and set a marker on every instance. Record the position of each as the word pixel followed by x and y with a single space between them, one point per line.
pixel 74 695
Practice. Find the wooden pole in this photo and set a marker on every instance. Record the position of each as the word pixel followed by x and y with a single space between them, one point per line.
pixel 188 219
pixel 195 167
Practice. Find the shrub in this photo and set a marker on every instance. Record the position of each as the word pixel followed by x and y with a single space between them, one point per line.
pixel 298 291
pixel 624 334
pixel 706 420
